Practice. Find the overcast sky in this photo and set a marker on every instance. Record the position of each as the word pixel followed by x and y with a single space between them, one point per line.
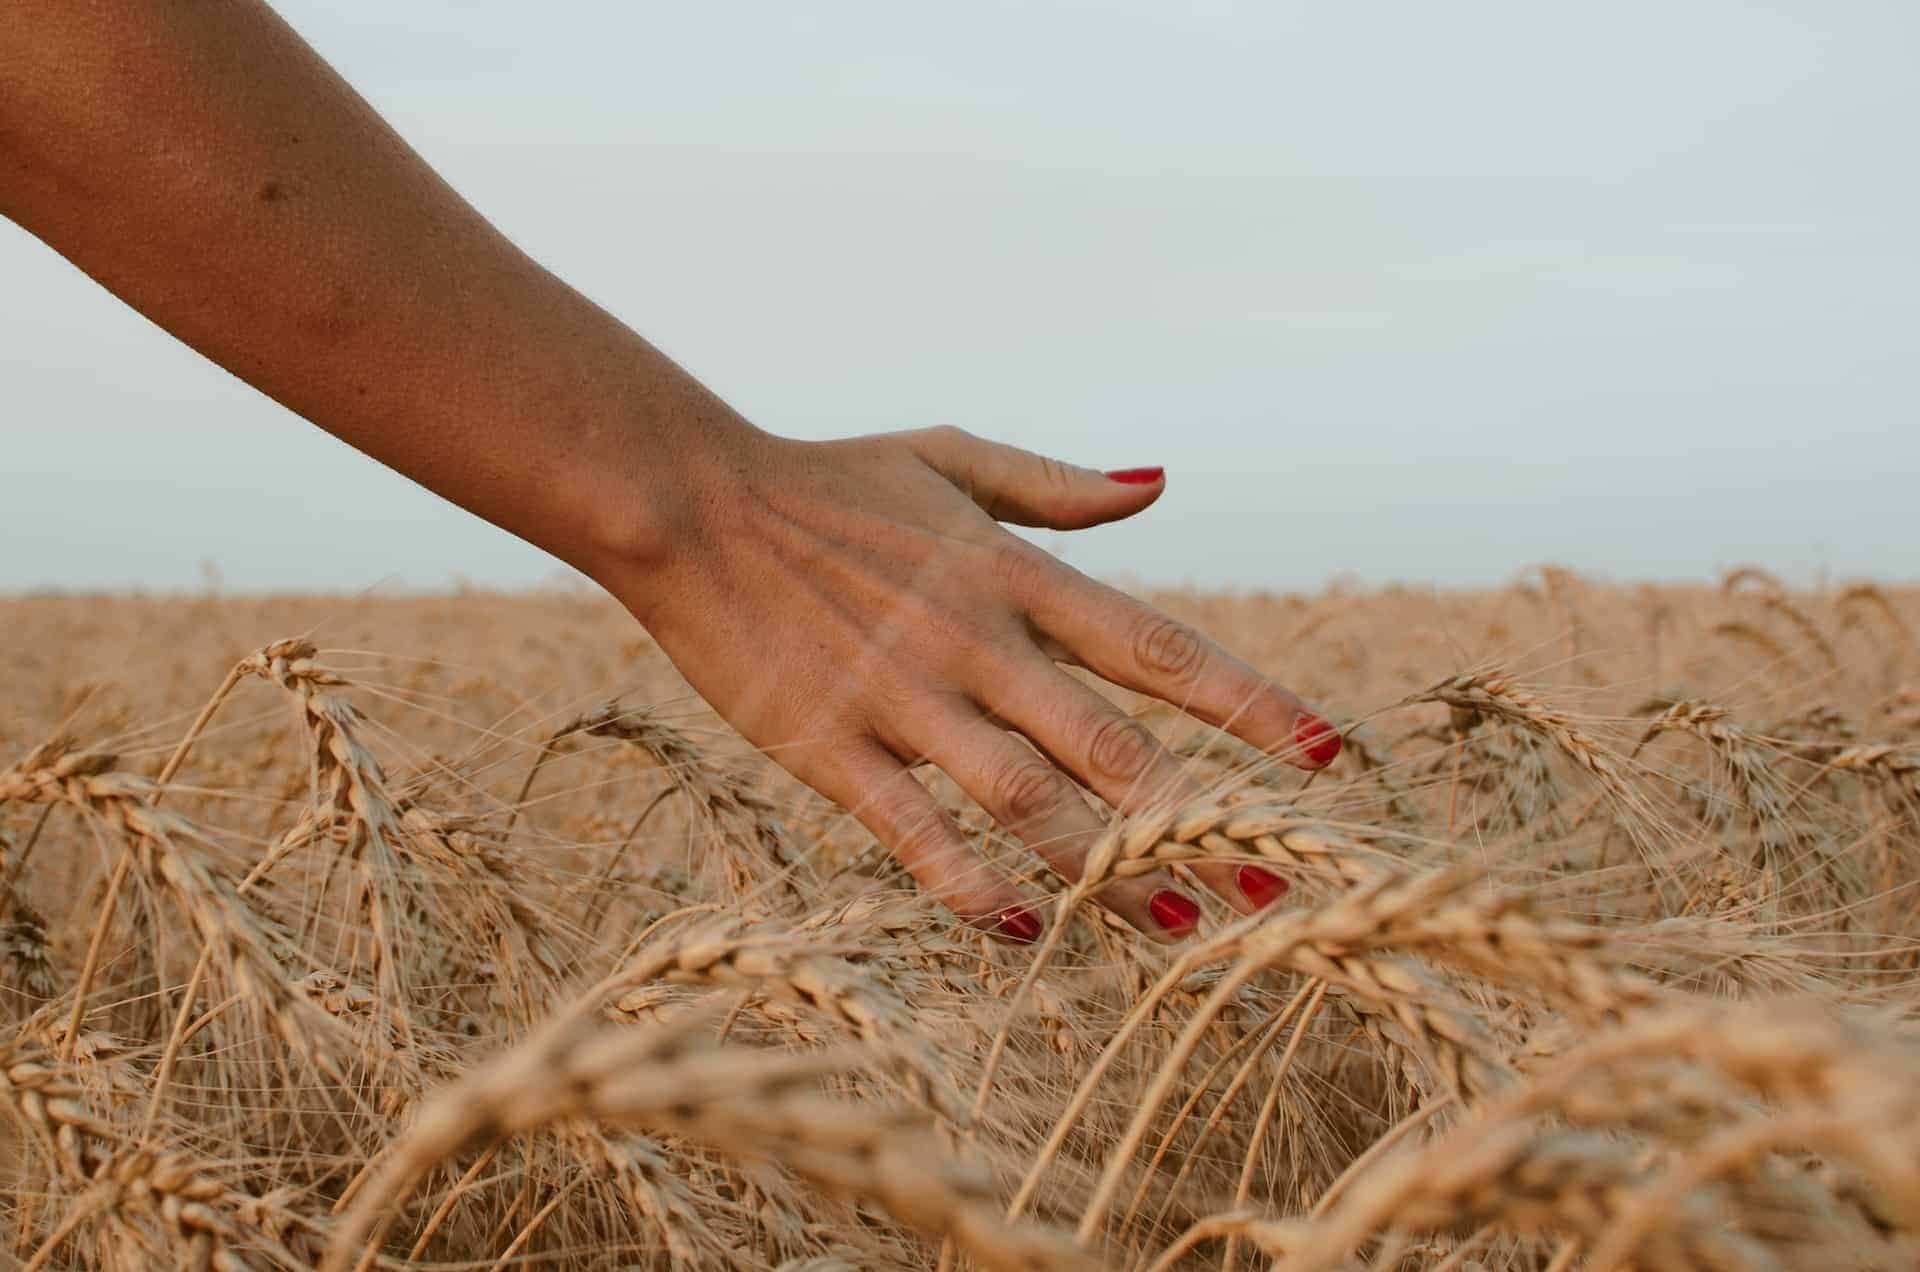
pixel 1407 291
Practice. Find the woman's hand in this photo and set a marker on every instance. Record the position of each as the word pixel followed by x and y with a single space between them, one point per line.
pixel 850 606
pixel 854 609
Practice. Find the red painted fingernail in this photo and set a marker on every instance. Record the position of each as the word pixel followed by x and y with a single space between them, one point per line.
pixel 1318 740
pixel 1172 911
pixel 1137 476
pixel 1017 924
pixel 1262 887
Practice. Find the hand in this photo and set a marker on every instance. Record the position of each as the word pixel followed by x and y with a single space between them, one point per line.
pixel 854 609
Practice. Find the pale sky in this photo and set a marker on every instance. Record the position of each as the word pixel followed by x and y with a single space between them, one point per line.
pixel 1420 292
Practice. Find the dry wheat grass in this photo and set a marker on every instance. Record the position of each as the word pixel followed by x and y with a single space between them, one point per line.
pixel 1601 954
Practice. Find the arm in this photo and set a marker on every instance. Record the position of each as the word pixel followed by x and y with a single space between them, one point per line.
pixel 202 163
pixel 852 607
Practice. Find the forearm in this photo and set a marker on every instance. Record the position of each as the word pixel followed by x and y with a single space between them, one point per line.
pixel 202 163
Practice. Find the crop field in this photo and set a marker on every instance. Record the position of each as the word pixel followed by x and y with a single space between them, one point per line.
pixel 455 933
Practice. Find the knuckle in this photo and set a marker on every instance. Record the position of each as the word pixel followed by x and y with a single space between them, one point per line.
pixel 1054 475
pixel 947 635
pixel 1166 647
pixel 1272 708
pixel 885 700
pixel 921 831
pixel 1027 790
pixel 936 445
pixel 1119 748
pixel 1019 567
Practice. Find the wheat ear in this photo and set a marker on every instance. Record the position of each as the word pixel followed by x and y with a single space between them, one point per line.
pixel 735 1100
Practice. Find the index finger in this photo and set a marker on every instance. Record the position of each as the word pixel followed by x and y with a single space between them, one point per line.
pixel 1133 644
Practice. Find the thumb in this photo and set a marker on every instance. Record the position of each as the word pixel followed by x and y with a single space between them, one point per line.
pixel 1031 490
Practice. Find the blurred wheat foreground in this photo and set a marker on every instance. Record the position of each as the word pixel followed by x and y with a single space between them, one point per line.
pixel 494 949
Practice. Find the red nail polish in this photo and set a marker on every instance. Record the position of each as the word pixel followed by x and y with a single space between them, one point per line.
pixel 1262 887
pixel 1172 911
pixel 1318 740
pixel 1017 923
pixel 1136 476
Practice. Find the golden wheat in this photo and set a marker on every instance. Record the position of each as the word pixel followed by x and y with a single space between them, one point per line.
pixel 310 955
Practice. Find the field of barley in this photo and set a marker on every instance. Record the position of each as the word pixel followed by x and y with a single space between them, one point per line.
pixel 454 932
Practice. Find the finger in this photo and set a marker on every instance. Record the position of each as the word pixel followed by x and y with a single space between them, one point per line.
pixel 1025 793
pixel 1032 490
pixel 876 788
pixel 1133 644
pixel 1120 761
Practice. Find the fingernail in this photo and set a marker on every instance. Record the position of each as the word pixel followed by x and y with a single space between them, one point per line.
pixel 1172 911
pixel 1262 887
pixel 1136 476
pixel 1318 740
pixel 1017 924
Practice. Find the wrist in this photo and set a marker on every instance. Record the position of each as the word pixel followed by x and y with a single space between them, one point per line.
pixel 653 495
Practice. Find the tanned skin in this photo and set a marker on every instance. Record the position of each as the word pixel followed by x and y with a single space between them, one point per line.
pixel 852 607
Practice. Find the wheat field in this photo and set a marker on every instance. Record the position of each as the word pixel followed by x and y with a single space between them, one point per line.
pixel 454 932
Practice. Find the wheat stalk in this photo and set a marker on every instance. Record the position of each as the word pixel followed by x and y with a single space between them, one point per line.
pixel 761 1104
pixel 1498 694
pixel 1555 1059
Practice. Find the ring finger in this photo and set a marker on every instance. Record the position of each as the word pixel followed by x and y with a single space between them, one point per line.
pixel 1120 761
pixel 1030 797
